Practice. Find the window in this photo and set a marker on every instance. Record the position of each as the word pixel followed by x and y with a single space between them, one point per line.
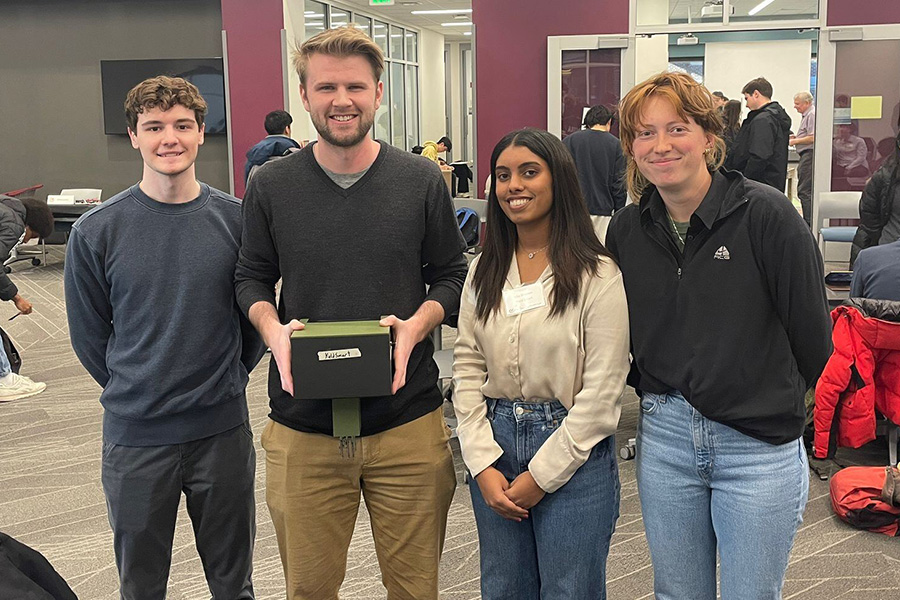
pixel 396 42
pixel 339 17
pixel 397 119
pixel 314 15
pixel 693 67
pixel 589 77
pixel 866 105
pixel 677 12
pixel 363 23
pixel 412 43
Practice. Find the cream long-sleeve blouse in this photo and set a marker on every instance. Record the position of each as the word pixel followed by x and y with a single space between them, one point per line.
pixel 579 358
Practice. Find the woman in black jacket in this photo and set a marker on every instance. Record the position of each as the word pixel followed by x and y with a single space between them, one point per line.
pixel 879 212
pixel 729 328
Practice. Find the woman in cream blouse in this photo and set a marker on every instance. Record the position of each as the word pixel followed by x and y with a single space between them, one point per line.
pixel 539 368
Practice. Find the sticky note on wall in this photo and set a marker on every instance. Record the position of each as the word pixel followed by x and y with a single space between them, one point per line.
pixel 865 107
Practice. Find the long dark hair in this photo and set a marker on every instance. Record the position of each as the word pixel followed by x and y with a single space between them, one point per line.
pixel 574 248
pixel 731 116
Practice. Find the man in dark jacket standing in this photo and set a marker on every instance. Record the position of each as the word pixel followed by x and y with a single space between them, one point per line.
pixel 761 148
pixel 277 143
pixel 601 167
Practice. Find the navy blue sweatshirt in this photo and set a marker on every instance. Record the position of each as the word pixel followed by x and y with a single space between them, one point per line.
pixel 153 317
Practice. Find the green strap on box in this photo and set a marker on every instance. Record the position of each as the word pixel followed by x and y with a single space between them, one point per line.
pixel 346 417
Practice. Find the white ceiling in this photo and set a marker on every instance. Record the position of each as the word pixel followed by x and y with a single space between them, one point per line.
pixel 400 12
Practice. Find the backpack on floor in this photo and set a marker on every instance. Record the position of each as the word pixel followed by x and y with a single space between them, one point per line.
pixel 868 498
pixel 15 359
pixel 469 224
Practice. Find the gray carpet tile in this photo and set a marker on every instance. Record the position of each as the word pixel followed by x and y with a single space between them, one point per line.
pixel 51 499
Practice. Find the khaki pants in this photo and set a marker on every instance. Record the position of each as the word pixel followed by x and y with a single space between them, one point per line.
pixel 407 478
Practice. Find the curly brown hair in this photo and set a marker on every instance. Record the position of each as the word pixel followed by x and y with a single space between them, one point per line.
pixel 163 92
pixel 689 99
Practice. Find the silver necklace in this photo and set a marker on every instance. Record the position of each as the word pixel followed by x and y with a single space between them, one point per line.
pixel 533 254
pixel 675 229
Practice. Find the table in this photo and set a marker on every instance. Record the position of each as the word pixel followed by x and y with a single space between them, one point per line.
pixel 64 216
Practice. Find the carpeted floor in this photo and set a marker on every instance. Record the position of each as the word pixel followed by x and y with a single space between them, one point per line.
pixel 50 495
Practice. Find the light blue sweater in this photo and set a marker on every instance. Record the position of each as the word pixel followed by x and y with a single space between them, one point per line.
pixel 153 318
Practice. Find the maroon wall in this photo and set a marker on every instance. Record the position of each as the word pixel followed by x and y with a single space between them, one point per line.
pixel 867 12
pixel 511 60
pixel 255 79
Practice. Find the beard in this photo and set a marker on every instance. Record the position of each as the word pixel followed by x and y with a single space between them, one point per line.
pixel 346 140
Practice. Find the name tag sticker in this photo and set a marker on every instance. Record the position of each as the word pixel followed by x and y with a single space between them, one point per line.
pixel 339 354
pixel 524 298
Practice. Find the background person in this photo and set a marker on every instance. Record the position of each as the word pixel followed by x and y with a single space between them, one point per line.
pixel 729 328
pixel 879 207
pixel 35 219
pixel 601 167
pixel 431 150
pixel 804 142
pixel 277 143
pixel 536 427
pixel 720 100
pixel 761 148
pixel 731 119
pixel 849 157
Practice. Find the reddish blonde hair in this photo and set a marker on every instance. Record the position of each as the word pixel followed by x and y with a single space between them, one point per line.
pixel 688 98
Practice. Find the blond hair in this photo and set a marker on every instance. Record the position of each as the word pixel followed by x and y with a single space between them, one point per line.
pixel 688 98
pixel 163 92
pixel 340 42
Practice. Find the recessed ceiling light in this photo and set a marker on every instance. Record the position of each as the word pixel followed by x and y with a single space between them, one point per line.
pixel 467 33
pixel 443 11
pixel 457 24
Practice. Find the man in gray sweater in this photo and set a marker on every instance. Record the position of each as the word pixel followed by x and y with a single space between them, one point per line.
pixel 355 229
pixel 153 318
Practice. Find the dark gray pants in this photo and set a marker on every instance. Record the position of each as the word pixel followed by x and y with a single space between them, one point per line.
pixel 143 487
pixel 804 184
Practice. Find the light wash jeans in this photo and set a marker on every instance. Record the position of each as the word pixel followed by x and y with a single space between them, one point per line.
pixel 703 486
pixel 558 552
pixel 5 367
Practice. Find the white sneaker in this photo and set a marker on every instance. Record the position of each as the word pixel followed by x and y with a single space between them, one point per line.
pixel 14 387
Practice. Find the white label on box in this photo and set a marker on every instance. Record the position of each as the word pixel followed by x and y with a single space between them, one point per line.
pixel 339 354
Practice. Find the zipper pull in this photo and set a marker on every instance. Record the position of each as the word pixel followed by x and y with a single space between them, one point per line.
pixel 679 272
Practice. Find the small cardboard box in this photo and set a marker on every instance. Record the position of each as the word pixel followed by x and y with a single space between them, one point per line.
pixel 341 359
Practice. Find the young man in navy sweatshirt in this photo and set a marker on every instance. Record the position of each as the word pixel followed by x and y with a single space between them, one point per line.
pixel 153 318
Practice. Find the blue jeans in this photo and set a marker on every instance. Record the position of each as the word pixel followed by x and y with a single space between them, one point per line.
pixel 558 552
pixel 5 367
pixel 703 486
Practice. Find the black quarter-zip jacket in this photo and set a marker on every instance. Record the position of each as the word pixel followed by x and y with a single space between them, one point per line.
pixel 738 323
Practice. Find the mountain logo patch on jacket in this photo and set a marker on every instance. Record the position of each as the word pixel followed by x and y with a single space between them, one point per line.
pixel 722 254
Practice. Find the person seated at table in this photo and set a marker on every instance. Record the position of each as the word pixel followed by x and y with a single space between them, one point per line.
pixel 850 153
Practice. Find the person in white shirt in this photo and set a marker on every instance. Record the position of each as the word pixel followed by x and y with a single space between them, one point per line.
pixel 539 368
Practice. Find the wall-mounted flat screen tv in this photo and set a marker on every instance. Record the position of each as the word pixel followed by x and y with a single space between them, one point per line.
pixel 119 76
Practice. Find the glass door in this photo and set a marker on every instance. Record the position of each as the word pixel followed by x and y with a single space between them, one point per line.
pixel 584 71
